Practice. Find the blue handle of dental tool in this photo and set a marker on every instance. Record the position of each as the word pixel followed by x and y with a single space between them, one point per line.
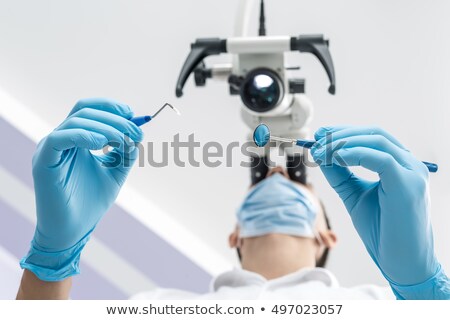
pixel 139 121
pixel 432 167
pixel 305 143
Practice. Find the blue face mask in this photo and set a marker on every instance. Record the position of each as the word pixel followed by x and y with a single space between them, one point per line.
pixel 277 205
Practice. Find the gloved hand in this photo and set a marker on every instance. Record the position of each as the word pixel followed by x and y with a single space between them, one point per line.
pixel 75 188
pixel 390 215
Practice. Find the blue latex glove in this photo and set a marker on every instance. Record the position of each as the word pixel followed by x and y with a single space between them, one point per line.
pixel 75 188
pixel 390 215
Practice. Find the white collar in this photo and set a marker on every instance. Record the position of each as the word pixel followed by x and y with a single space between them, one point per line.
pixel 240 278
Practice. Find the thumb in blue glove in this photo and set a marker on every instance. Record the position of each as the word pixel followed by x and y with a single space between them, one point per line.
pixel 75 188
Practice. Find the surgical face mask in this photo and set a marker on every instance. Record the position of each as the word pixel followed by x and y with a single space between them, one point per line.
pixel 277 205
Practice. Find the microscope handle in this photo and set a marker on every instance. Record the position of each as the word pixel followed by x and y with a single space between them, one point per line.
pixel 318 46
pixel 200 49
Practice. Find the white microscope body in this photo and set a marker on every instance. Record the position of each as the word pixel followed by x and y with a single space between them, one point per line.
pixel 291 111
pixel 259 75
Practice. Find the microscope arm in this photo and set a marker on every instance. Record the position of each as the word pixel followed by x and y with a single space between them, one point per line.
pixel 203 48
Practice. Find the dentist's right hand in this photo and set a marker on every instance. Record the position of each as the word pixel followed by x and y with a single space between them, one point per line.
pixel 75 188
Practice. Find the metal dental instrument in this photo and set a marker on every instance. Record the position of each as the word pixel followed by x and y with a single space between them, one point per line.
pixel 167 105
pixel 139 121
pixel 261 136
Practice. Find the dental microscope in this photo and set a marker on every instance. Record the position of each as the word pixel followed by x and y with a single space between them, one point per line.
pixel 259 76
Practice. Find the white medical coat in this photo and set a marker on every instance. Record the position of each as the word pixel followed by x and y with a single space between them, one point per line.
pixel 307 283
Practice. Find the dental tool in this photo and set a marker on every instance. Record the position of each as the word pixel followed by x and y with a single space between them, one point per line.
pixel 139 121
pixel 261 136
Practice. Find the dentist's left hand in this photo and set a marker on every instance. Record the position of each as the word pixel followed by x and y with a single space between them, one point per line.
pixel 75 188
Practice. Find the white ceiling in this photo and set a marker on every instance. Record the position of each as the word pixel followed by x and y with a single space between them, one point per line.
pixel 391 59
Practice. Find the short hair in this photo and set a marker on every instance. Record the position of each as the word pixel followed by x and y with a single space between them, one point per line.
pixel 322 261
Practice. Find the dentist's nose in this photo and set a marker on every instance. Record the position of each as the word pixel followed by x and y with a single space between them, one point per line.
pixel 278 169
